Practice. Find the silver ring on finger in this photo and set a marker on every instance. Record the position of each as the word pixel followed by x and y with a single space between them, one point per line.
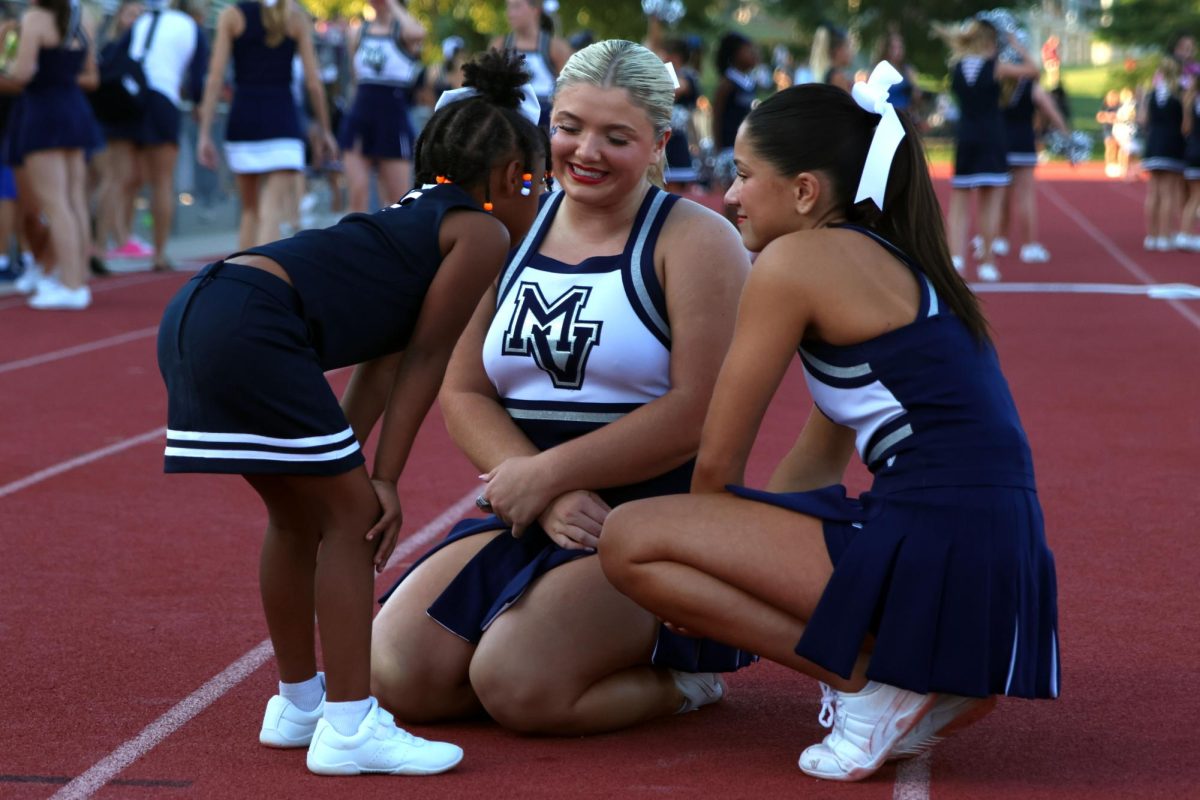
pixel 483 504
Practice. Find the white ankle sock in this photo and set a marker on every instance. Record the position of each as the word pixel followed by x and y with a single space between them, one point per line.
pixel 346 717
pixel 306 695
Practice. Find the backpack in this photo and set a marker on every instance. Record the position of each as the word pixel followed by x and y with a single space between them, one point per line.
pixel 121 95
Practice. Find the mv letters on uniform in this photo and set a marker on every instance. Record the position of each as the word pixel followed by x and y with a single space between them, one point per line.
pixel 554 334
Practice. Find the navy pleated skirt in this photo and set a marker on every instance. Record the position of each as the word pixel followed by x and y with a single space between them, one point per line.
pixel 956 586
pixel 506 567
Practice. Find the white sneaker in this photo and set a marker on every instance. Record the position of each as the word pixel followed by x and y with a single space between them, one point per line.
pixel 378 746
pixel 1000 246
pixel 1150 243
pixel 957 261
pixel 1162 244
pixel 1034 253
pixel 286 725
pixel 949 713
pixel 53 296
pixel 1193 243
pixel 988 273
pixel 698 689
pixel 28 281
pixel 977 246
pixel 865 726
pixel 1181 241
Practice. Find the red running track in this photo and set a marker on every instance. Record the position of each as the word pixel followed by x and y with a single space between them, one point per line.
pixel 125 592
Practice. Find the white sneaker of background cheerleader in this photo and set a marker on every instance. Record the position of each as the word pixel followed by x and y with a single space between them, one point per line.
pixel 957 261
pixel 31 275
pixel 1000 246
pixel 53 296
pixel 1181 241
pixel 988 273
pixel 698 689
pixel 378 747
pixel 1034 253
pixel 864 727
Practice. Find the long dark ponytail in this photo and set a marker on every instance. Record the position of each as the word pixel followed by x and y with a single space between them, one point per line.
pixel 815 127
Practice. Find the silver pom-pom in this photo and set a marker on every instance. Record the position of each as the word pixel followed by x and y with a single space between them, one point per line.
pixel 668 11
pixel 1075 146
pixel 1006 25
pixel 724 171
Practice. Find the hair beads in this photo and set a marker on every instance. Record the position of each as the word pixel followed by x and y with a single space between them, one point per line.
pixel 527 184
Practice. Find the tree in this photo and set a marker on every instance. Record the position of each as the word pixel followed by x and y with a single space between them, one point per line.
pixel 1147 22
pixel 871 19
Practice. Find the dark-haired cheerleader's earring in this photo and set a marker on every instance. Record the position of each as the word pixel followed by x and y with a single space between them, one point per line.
pixel 487 199
pixel 527 184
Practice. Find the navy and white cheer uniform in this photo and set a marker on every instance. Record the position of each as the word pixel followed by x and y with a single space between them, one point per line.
pixel 1191 150
pixel 680 166
pixel 263 133
pixel 571 348
pixel 378 122
pixel 944 561
pixel 980 154
pixel 737 105
pixel 1164 132
pixel 542 74
pixel 1018 126
pixel 51 112
pixel 244 354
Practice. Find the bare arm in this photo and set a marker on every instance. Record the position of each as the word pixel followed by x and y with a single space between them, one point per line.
pixel 1049 109
pixel 36 24
pixel 475 246
pixel 1025 69
pixel 228 24
pixel 412 32
pixel 302 31
pixel 560 51
pixel 720 100
pixel 818 458
pixel 1189 99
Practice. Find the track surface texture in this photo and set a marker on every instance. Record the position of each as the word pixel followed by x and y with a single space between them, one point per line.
pixel 133 642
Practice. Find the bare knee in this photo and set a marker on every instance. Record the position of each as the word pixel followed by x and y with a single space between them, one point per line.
pixel 520 698
pixel 628 540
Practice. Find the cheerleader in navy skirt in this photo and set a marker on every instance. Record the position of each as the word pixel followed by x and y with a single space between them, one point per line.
pixel 1188 239
pixel 51 129
pixel 681 168
pixel 1020 198
pixel 918 602
pixel 980 153
pixel 1161 116
pixel 243 348
pixel 264 144
pixel 376 131
pixel 579 385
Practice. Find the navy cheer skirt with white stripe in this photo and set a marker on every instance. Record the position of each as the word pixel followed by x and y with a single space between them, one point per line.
pixel 245 390
pixel 955 584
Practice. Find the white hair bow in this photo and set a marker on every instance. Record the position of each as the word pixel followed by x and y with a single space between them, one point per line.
pixel 873 96
pixel 530 108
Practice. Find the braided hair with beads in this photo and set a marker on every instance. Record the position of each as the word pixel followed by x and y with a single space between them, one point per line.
pixel 463 140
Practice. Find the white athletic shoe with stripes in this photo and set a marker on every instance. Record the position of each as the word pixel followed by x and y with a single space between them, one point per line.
pixel 698 689
pixel 950 713
pixel 865 727
pixel 378 747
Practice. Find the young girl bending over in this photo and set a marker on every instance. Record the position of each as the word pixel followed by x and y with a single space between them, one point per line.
pixel 917 602
pixel 243 348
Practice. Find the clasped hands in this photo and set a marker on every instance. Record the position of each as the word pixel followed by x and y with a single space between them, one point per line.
pixel 523 490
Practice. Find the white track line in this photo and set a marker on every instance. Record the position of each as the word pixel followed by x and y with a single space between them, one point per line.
pixel 112 765
pixel 87 458
pixel 1131 266
pixel 912 778
pixel 1157 291
pixel 79 349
